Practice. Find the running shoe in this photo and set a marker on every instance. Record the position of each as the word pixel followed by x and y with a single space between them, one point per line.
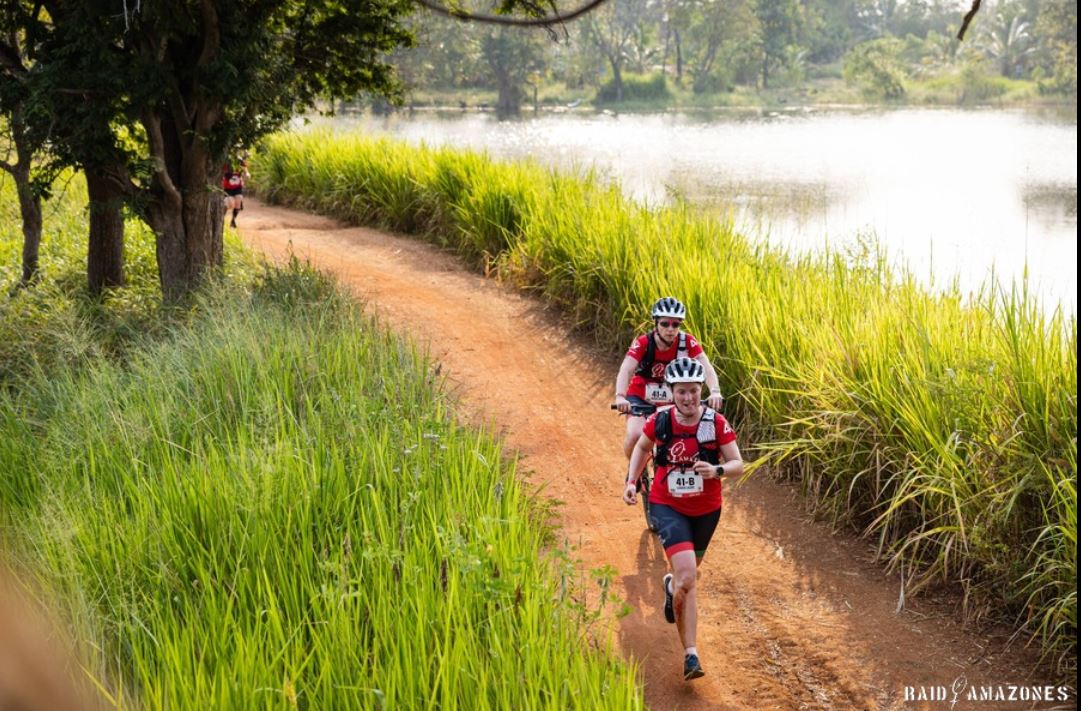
pixel 692 669
pixel 669 612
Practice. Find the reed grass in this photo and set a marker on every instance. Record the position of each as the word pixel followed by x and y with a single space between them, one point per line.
pixel 269 505
pixel 943 425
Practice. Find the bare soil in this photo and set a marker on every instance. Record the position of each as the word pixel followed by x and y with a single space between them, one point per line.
pixel 792 615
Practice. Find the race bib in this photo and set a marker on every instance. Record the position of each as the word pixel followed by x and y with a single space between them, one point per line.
pixel 684 482
pixel 658 393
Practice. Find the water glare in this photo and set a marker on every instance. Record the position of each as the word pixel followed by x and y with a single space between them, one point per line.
pixel 949 193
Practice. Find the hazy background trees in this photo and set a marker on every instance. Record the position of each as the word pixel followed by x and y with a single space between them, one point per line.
pixel 648 50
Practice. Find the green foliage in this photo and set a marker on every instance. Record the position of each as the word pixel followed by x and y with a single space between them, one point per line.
pixel 945 427
pixel 635 88
pixel 978 85
pixel 728 46
pixel 876 68
pixel 251 68
pixel 973 83
pixel 513 56
pixel 1056 30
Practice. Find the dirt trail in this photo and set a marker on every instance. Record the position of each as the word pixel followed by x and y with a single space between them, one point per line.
pixel 791 616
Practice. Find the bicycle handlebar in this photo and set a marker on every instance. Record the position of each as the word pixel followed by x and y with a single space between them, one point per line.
pixel 637 410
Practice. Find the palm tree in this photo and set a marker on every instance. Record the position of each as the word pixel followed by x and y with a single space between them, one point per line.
pixel 1009 41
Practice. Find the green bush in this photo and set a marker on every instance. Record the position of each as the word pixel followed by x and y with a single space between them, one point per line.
pixel 636 87
pixel 978 84
pixel 876 67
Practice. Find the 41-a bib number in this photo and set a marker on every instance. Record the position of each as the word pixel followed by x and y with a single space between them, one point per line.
pixel 684 482
pixel 658 393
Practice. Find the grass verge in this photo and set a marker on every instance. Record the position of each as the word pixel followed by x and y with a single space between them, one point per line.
pixel 264 502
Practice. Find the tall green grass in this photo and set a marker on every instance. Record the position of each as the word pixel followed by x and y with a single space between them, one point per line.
pixel 268 505
pixel 943 426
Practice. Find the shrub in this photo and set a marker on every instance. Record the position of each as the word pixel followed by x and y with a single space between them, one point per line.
pixel 636 88
pixel 876 68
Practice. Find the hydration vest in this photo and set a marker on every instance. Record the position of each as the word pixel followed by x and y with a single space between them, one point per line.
pixel 645 366
pixel 708 450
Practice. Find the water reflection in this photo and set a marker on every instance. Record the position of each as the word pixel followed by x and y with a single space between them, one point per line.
pixel 947 192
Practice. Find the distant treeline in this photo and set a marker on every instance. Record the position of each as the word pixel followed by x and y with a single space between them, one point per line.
pixel 882 49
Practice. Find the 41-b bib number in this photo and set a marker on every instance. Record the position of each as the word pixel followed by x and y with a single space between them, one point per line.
pixel 684 482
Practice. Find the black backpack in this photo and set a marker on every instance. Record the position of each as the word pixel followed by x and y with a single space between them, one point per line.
pixel 708 450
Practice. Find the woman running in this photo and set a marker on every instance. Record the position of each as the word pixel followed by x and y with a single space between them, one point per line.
pixel 693 446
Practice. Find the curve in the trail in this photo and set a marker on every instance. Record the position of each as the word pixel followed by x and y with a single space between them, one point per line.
pixel 791 616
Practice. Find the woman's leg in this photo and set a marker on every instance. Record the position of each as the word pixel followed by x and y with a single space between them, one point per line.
pixel 634 433
pixel 684 595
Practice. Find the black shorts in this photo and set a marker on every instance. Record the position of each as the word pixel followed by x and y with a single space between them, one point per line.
pixel 680 532
pixel 233 192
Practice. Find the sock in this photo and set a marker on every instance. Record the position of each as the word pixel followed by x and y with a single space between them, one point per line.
pixel 691 650
pixel 236 211
pixel 669 589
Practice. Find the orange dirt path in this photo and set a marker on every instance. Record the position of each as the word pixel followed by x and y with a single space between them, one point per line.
pixel 791 615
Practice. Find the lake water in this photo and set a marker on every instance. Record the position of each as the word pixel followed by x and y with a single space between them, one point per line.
pixel 947 193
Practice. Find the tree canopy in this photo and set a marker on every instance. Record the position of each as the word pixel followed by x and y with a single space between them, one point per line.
pixel 155 95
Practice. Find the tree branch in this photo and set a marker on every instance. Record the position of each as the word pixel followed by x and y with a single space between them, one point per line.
pixel 204 116
pixel 555 19
pixel 211 33
pixel 968 18
pixel 157 150
pixel 11 58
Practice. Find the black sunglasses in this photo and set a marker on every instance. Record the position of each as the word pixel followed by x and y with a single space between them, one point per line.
pixel 669 324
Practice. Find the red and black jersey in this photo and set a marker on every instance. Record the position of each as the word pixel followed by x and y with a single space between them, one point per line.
pixel 682 449
pixel 640 349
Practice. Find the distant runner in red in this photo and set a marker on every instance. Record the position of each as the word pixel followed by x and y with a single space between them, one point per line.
pixel 693 446
pixel 232 182
pixel 640 382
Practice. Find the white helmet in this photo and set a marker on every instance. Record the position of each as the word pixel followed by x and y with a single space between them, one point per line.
pixel 669 307
pixel 684 370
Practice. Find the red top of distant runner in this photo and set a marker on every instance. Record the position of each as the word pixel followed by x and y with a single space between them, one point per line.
pixel 231 179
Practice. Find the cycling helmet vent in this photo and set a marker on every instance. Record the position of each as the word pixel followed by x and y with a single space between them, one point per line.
pixel 669 307
pixel 685 370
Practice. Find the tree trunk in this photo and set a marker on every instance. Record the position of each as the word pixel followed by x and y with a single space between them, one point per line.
pixel 617 78
pixel 679 59
pixel 186 211
pixel 765 72
pixel 30 211
pixel 510 95
pixel 189 240
pixel 105 255
pixel 29 203
pixel 667 44
pixel 510 99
